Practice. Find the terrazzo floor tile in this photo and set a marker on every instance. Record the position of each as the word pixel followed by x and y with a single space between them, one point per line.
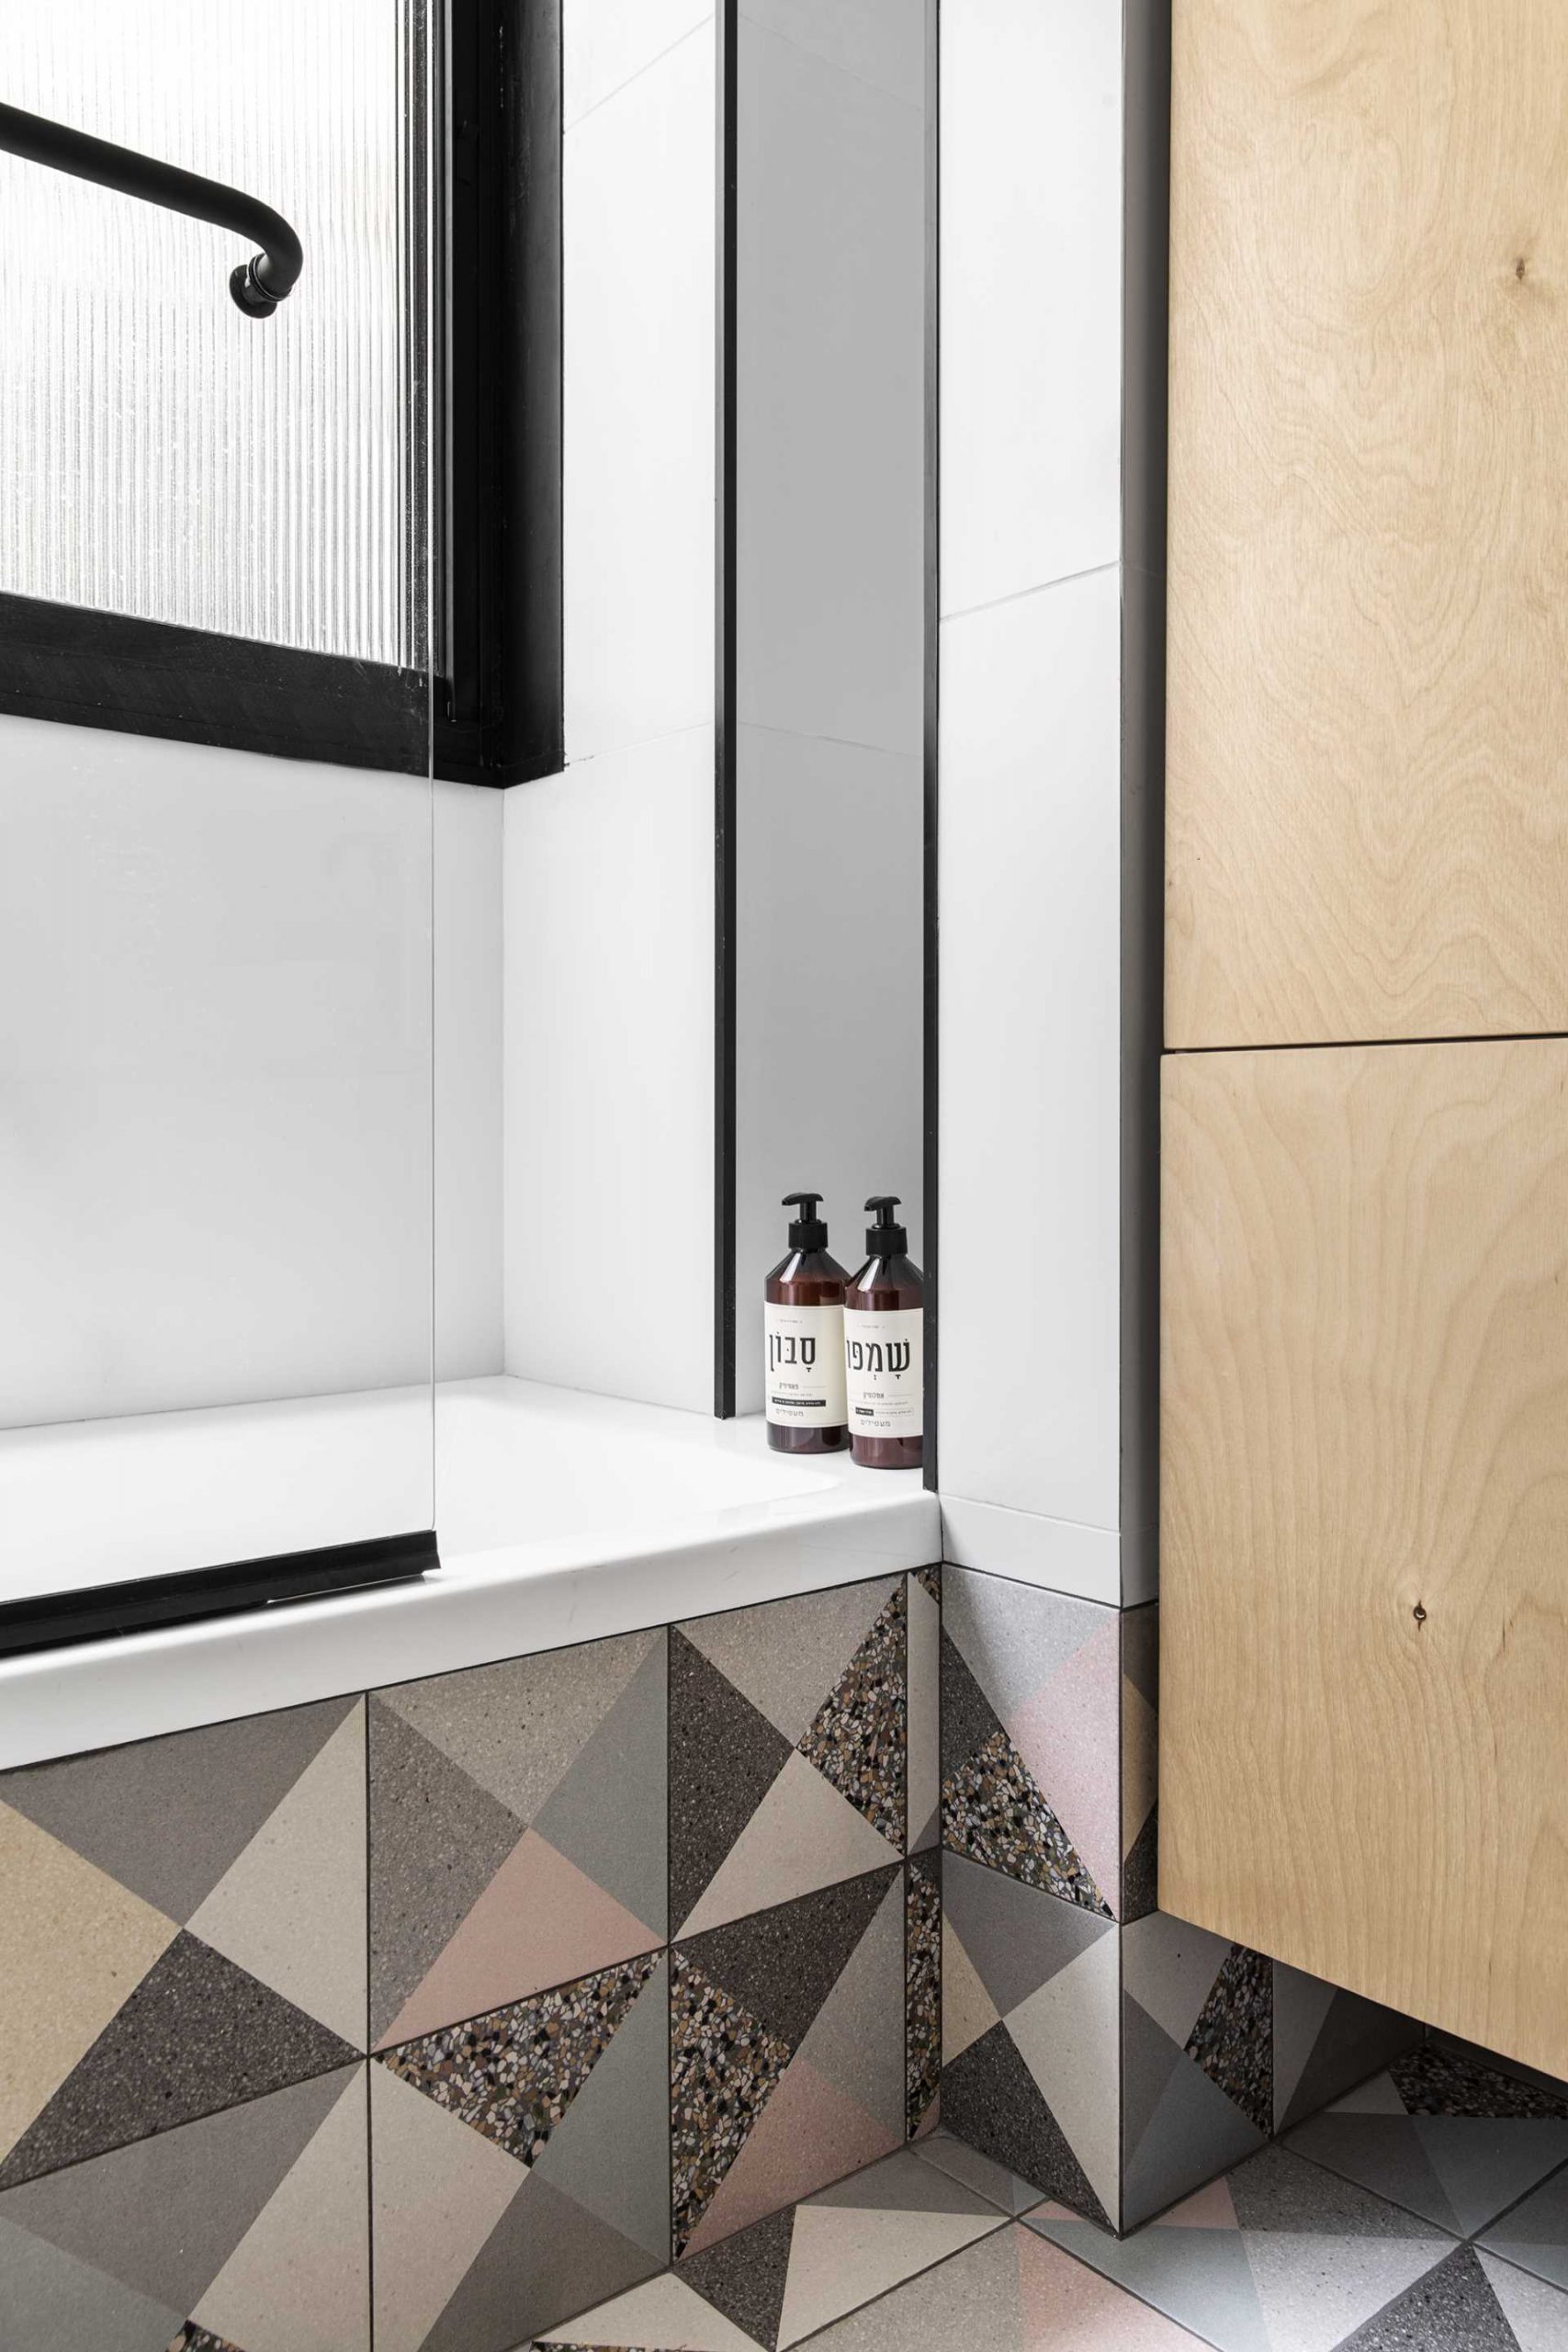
pixel 1471 2302
pixel 787 2060
pixel 788 1748
pixel 1196 2059
pixel 1277 2257
pixel 1453 2140
pixel 517 1829
pixel 182 1928
pixel 998 2187
pixel 1534 2233
pixel 520 2161
pixel 248 2228
pixel 1327 2041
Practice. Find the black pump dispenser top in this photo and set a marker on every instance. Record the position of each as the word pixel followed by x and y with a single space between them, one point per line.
pixel 885 1238
pixel 806 1231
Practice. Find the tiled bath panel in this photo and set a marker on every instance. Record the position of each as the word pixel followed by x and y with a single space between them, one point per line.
pixel 248 2228
pixel 787 1748
pixel 181 1928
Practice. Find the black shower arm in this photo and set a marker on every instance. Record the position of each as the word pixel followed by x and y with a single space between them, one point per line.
pixel 258 285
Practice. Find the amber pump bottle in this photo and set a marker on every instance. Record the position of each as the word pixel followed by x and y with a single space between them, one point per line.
pixel 885 1347
pixel 802 1332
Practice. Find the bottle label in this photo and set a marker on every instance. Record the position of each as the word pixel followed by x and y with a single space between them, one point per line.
pixel 805 1366
pixel 884 1372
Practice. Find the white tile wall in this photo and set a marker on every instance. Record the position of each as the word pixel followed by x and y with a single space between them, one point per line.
pixel 609 976
pixel 606 43
pixel 1030 1049
pixel 640 203
pixel 1031 294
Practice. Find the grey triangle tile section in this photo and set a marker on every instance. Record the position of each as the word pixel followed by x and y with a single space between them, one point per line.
pixel 1383 2153
pixel 545 2259
pixel 1487 2167
pixel 436 1841
pixel 1013 1637
pixel 610 2153
pixel 903 2183
pixel 1149 2059
pixel 168 1816
pixel 781 1965
pixel 992 2181
pixel 745 2276
pixel 51 2301
pixel 1194 2132
pixel 992 2101
pixel 608 1814
pixel 1537 2311
pixel 968 1718
pixel 853 2042
pixel 1201 2278
pixel 1278 2191
pixel 196 2035
pixel 724 1757
pixel 1017 1935
pixel 1452 2305
pixel 164 2215
pixel 1535 2233
pixel 1355 2039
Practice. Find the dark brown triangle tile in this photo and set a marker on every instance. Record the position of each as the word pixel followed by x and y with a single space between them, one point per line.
pixel 724 1757
pixel 513 2074
pixel 198 2035
pixel 968 1718
pixel 1233 2040
pixel 858 1738
pixel 781 1964
pixel 990 2101
pixel 745 2276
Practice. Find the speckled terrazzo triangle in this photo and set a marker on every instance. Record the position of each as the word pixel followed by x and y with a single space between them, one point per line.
pixel 857 1738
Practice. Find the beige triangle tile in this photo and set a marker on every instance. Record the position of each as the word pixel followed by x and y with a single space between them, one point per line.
pixel 786 1655
pixel 841 2256
pixel 75 1944
pixel 290 1908
pixel 1066 2307
pixel 299 2279
pixel 663 2316
pixel 1068 2035
pixel 803 1835
pixel 540 1922
pixel 968 2009
pixel 439 2190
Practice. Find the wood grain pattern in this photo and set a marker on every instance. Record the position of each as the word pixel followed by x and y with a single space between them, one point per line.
pixel 1364 1524
pixel 1368 718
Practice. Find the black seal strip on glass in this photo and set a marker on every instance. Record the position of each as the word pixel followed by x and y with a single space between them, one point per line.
pixel 147 1602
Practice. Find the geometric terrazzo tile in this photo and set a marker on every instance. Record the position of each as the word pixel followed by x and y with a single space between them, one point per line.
pixel 788 1739
pixel 1326 2040
pixel 787 2064
pixel 1140 1759
pixel 249 1835
pixel 524 2165
pixel 1447 2137
pixel 1197 2057
pixel 1468 2303
pixel 517 1829
pixel 1278 2256
pixel 1031 1708
pixel 923 1763
pixel 1534 2233
pixel 247 2228
pixel 922 2014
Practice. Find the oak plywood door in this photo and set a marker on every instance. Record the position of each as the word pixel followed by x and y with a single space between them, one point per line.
pixel 1368 718
pixel 1364 1706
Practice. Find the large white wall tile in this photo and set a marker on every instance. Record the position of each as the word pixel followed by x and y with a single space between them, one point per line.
pixel 830 443
pixel 606 43
pixel 638 451
pixel 467 1082
pixel 1030 294
pixel 215 1076
pixel 1031 1054
pixel 609 1041
pixel 829 1038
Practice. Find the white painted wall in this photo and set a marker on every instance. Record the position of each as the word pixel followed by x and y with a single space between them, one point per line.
pixel 609 870
pixel 831 456
pixel 215 1126
pixel 1032 819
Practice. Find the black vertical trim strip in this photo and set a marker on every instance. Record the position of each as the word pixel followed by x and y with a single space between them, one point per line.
pixel 724 723
pixel 932 911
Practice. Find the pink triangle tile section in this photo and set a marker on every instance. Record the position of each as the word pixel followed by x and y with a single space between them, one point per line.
pixel 1063 2307
pixel 1207 2209
pixel 540 1922
pixel 809 2133
pixel 1069 1735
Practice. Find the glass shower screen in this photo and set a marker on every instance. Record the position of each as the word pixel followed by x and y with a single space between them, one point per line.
pixel 216 1255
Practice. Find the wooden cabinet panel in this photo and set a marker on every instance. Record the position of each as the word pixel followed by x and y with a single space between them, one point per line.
pixel 1364 1524
pixel 1367 718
